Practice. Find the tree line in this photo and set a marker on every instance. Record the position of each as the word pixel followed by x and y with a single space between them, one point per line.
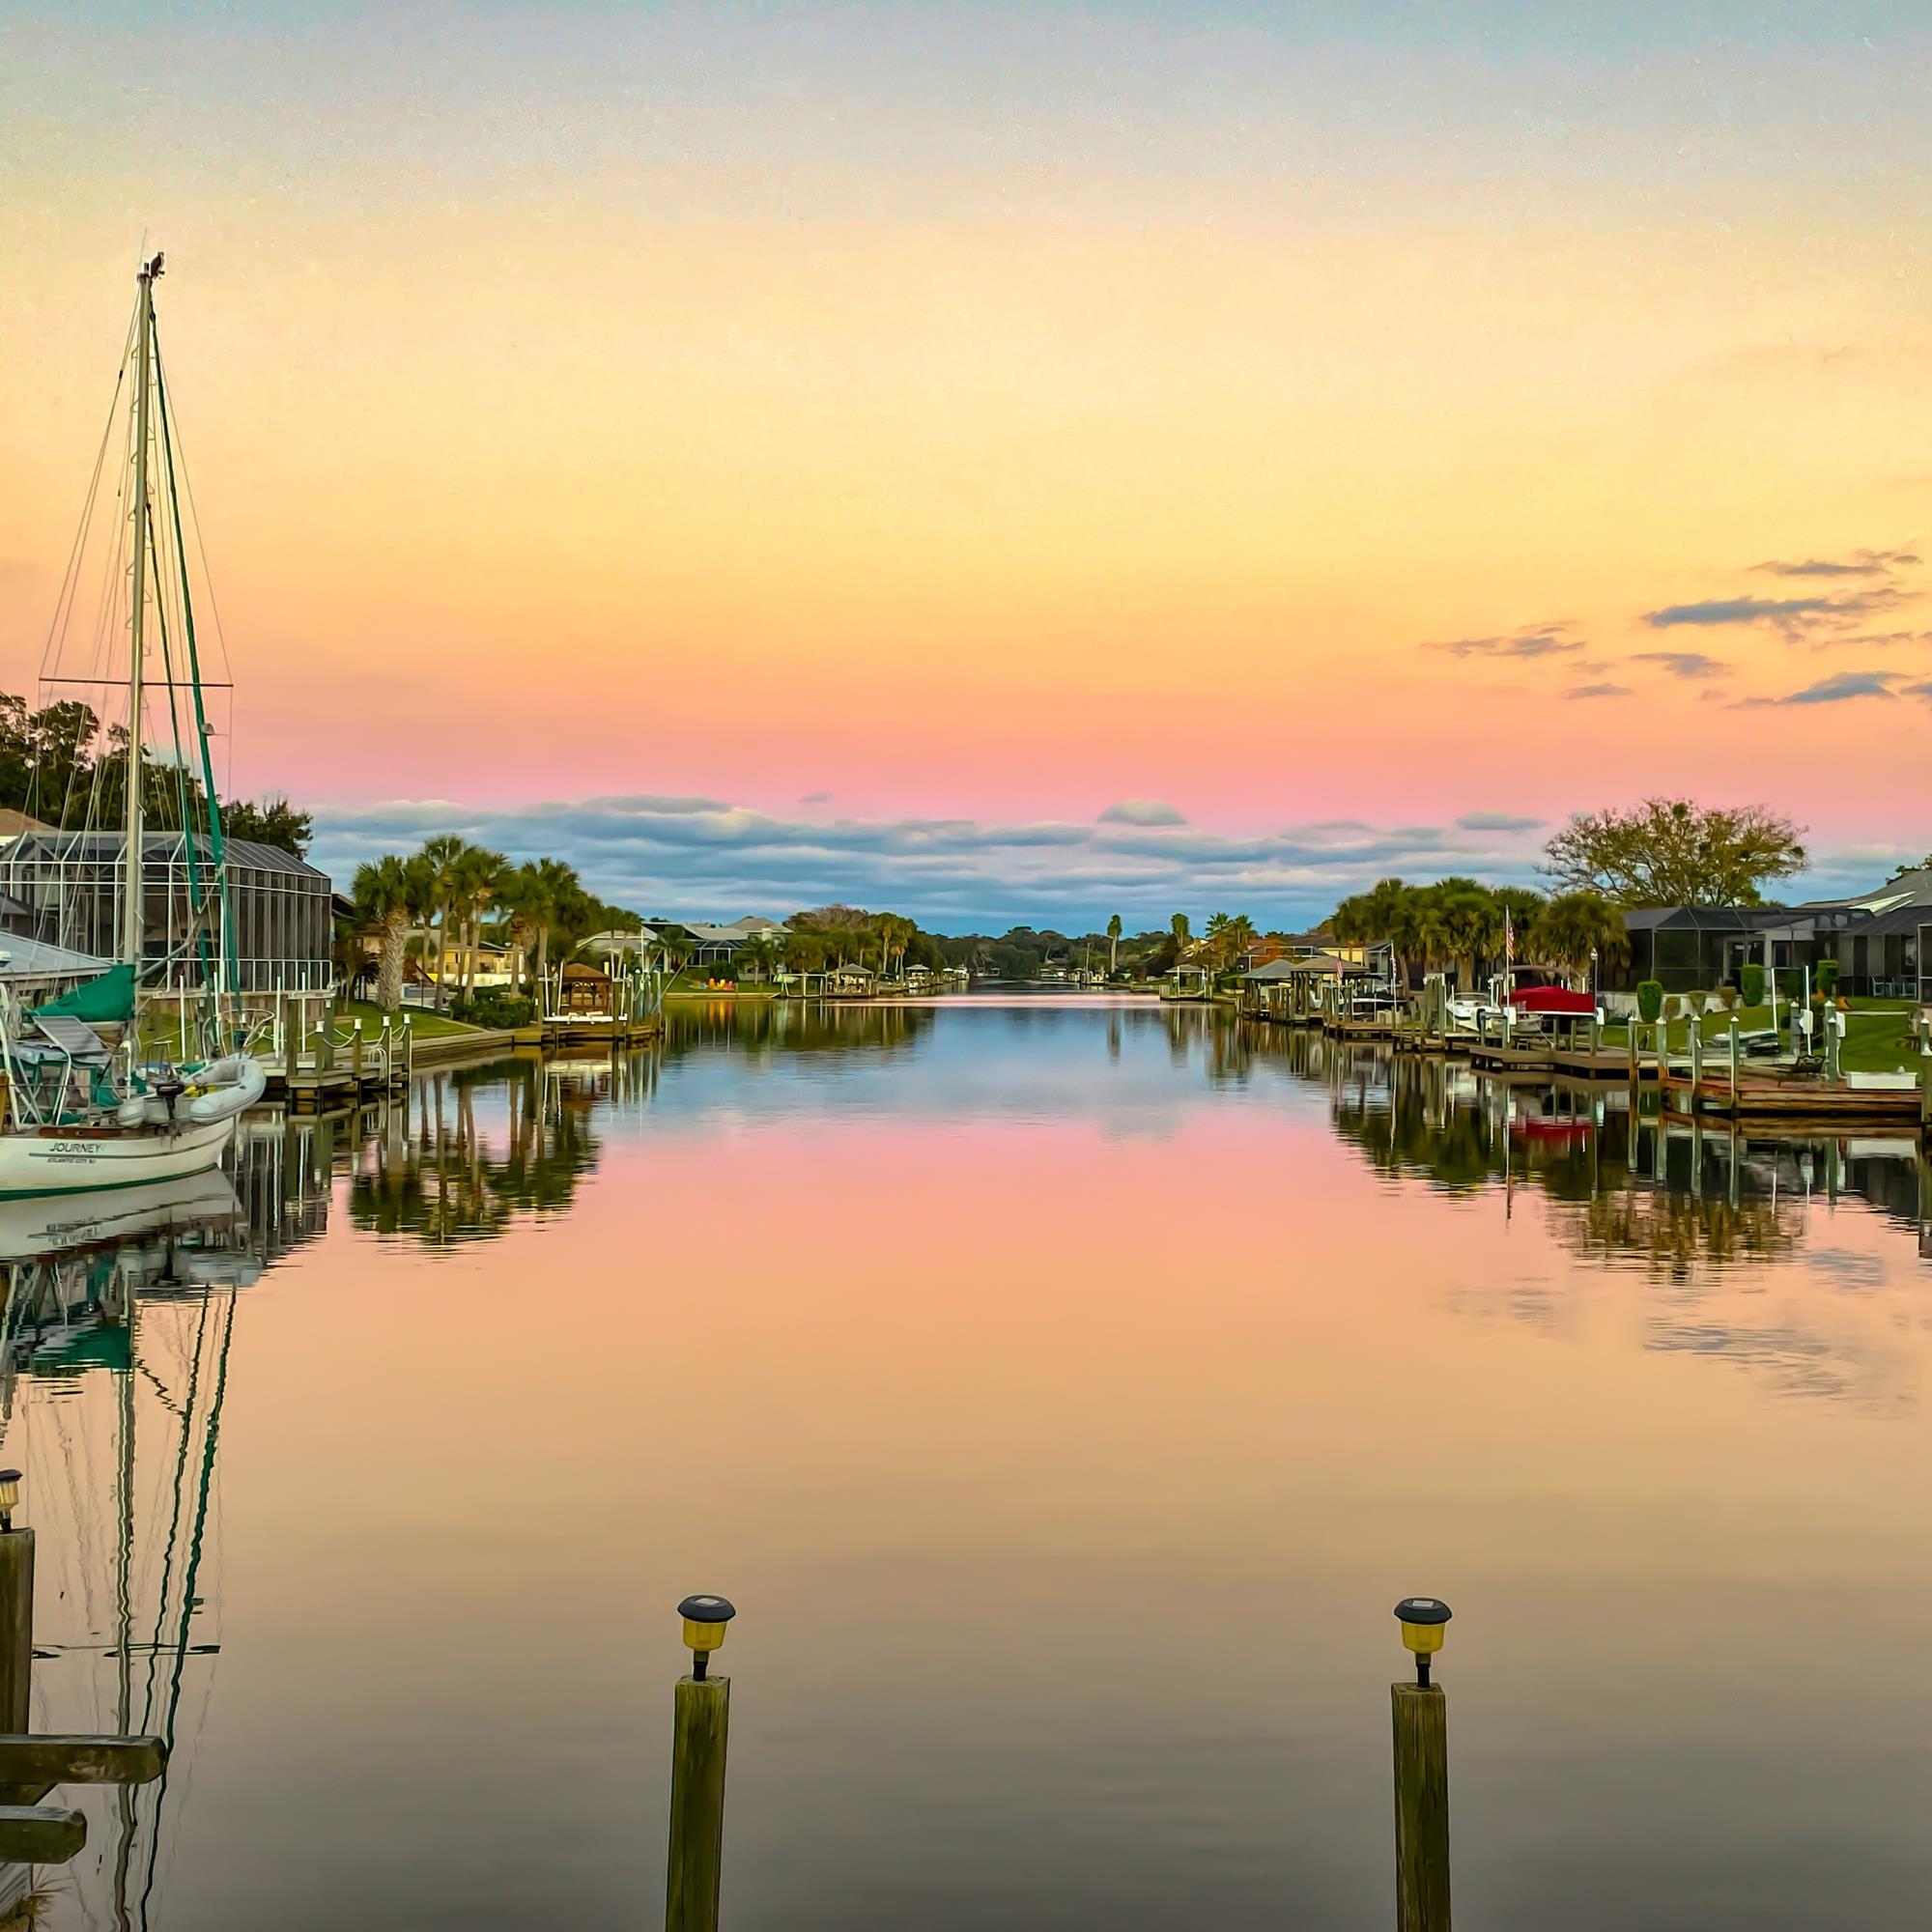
pixel 1661 852
pixel 468 894
pixel 62 765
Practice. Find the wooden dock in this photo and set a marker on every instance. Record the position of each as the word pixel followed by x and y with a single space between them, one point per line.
pixel 1810 1099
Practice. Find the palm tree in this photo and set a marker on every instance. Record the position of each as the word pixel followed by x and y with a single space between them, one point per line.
pixel 1178 926
pixel 1237 936
pixel 439 856
pixel 475 878
pixel 760 954
pixel 1568 929
pixel 1112 946
pixel 391 892
pixel 541 889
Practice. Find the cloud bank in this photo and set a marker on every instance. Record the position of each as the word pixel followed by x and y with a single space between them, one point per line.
pixel 707 857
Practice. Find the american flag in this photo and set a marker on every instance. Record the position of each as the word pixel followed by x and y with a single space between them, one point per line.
pixel 1509 943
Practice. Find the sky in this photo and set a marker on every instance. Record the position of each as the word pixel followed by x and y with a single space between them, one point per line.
pixel 1009 463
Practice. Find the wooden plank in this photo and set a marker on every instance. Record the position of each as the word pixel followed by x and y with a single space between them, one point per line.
pixel 40 1834
pixel 79 1759
pixel 1421 1723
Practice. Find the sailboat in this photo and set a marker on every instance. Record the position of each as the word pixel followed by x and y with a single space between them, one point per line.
pixel 84 1110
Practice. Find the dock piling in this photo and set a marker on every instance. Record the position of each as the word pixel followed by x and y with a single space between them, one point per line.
pixel 16 1609
pixel 700 1732
pixel 1420 1718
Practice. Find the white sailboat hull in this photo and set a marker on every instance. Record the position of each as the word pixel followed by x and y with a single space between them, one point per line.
pixel 77 1160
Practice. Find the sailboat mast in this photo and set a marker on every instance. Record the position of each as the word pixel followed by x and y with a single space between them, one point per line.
pixel 133 935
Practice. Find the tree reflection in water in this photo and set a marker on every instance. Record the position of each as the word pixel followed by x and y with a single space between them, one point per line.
pixel 432 1172
pixel 764 1028
pixel 1667 1196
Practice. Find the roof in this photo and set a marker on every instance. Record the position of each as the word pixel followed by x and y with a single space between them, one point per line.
pixel 716 935
pixel 1906 917
pixel 576 969
pixel 37 959
pixel 1275 969
pixel 1553 999
pixel 1698 919
pixel 52 846
pixel 12 821
pixel 752 923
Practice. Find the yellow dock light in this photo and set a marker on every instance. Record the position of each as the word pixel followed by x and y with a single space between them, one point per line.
pixel 1422 1619
pixel 704 1621
pixel 10 1496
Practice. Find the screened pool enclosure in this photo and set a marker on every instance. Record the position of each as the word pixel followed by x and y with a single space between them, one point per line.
pixel 69 883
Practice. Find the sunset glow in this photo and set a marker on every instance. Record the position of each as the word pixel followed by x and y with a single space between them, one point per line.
pixel 855 417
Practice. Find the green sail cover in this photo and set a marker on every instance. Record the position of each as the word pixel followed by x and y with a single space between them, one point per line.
pixel 108 998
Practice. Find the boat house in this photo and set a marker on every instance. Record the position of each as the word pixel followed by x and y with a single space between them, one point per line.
pixel 583 988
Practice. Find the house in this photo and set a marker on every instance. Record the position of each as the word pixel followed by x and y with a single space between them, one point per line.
pixel 1880 940
pixel 617 945
pixel 484 964
pixel 705 943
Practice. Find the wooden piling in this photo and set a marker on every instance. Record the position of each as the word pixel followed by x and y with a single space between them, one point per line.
pixel 16 1629
pixel 699 1731
pixel 1421 1723
pixel 17 1646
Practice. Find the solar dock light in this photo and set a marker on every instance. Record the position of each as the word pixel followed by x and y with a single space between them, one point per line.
pixel 1421 1723
pixel 10 1496
pixel 700 1728
pixel 1422 1621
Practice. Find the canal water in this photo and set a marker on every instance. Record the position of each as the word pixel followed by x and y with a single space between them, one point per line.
pixel 1064 1390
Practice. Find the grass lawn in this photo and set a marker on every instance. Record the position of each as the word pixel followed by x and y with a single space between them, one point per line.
pixel 1878 1041
pixel 688 984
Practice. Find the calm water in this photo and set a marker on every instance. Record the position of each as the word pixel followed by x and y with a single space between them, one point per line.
pixel 1065 1391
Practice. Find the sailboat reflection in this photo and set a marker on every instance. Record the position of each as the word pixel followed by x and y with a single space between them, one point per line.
pixel 115 1347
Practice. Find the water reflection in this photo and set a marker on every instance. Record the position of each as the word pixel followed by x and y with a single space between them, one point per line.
pixel 115 1352
pixel 1113 1299
pixel 1669 1194
pixel 437 1172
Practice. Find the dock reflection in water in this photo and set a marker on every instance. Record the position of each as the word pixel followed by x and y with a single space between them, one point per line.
pixel 1024 1323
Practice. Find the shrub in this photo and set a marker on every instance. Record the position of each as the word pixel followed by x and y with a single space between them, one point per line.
pixel 1751 978
pixel 1697 1000
pixel 1727 998
pixel 1827 979
pixel 498 1011
pixel 1650 1001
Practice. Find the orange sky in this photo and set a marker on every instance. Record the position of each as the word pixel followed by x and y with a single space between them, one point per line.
pixel 999 419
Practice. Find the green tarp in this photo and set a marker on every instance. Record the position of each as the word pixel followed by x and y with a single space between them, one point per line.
pixel 109 998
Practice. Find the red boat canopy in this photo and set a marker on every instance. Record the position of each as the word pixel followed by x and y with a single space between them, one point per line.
pixel 1553 999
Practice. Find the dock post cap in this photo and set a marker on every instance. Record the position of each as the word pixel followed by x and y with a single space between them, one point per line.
pixel 707 1609
pixel 1424 1610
